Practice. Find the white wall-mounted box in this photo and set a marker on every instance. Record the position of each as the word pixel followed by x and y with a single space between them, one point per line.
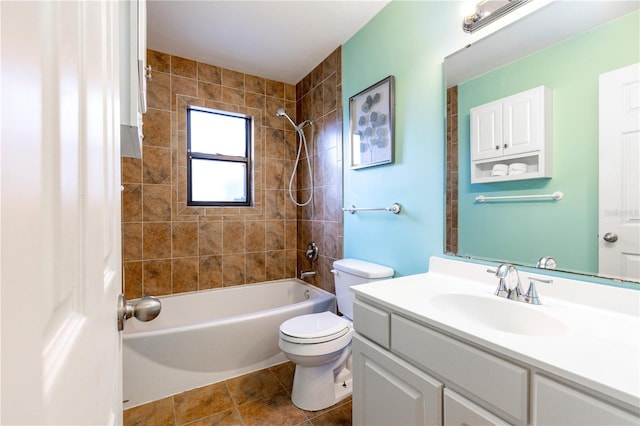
pixel 515 129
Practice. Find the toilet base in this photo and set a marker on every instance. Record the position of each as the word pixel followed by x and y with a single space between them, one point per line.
pixel 316 388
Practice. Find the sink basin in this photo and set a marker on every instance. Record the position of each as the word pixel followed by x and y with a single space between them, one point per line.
pixel 499 314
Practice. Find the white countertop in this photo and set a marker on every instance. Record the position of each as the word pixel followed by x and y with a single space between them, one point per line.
pixel 599 348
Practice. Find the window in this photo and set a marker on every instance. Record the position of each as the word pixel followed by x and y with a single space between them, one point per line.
pixel 219 170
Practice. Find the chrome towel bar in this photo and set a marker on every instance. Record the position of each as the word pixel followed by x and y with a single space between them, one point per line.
pixel 393 208
pixel 555 196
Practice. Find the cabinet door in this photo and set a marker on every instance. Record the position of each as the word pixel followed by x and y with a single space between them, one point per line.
pixel 388 391
pixel 459 411
pixel 557 404
pixel 522 122
pixel 486 131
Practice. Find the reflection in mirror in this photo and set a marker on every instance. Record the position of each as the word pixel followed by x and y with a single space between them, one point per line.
pixel 569 63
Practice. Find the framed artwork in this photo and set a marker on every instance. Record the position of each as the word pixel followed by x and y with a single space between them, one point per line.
pixel 371 125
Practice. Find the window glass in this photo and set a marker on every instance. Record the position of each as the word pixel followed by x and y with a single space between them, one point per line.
pixel 219 146
pixel 218 181
pixel 214 133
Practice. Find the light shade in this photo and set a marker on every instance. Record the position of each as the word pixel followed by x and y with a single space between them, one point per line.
pixel 488 11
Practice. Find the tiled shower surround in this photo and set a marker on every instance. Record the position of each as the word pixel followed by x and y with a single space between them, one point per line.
pixel 319 98
pixel 171 248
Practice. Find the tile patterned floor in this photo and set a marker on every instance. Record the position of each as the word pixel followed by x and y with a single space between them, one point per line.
pixel 259 398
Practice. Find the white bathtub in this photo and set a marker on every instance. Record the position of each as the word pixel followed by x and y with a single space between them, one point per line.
pixel 208 336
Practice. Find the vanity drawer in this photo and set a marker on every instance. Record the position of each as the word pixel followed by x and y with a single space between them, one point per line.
pixel 459 411
pixel 501 385
pixel 552 401
pixel 371 322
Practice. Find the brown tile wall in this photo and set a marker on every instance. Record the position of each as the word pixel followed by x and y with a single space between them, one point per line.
pixel 319 99
pixel 451 239
pixel 171 248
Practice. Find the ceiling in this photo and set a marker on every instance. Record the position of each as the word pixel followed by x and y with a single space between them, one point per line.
pixel 279 40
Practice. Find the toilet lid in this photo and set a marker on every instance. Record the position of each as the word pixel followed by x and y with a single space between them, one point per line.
pixel 314 326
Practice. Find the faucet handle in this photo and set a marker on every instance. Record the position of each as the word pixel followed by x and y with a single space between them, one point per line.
pixel 503 270
pixel 532 294
pixel 502 290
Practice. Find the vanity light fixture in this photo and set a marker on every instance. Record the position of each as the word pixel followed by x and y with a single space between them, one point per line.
pixel 488 11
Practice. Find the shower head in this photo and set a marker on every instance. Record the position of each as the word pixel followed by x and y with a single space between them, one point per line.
pixel 280 113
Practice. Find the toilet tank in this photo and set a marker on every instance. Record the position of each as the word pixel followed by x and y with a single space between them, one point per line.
pixel 348 272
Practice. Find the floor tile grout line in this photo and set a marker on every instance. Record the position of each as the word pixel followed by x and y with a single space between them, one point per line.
pixel 173 407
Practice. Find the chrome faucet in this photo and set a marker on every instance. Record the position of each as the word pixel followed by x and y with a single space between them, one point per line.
pixel 546 262
pixel 511 288
pixel 307 274
pixel 509 285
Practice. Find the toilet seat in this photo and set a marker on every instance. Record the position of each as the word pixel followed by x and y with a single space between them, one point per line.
pixel 314 328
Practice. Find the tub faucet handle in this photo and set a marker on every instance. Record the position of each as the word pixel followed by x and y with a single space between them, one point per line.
pixel 312 251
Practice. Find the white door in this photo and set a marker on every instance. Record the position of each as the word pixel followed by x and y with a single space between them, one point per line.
pixel 619 215
pixel 60 213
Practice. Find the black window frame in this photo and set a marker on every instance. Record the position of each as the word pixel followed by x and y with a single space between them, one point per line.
pixel 248 160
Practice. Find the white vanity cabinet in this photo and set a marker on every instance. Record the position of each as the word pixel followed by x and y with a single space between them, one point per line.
pixel 407 372
pixel 515 129
pixel 403 395
pixel 390 391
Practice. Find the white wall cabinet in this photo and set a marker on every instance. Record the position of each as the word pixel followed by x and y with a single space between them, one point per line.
pixel 515 129
pixel 408 373
pixel 133 75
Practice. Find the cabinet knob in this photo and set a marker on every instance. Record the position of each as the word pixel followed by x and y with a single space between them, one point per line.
pixel 506 146
pixel 497 146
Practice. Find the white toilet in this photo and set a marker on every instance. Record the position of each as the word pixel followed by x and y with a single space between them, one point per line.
pixel 320 344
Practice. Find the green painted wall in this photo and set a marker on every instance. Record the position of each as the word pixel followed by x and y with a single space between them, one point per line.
pixel 568 229
pixel 409 41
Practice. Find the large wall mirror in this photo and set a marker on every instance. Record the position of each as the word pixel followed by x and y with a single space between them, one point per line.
pixel 566 47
